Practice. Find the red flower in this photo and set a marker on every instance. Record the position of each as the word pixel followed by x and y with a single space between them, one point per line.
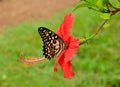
pixel 72 46
pixel 67 54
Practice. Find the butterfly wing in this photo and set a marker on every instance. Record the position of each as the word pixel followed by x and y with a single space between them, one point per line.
pixel 52 43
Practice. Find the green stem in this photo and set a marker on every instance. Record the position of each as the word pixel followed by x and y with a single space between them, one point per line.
pixel 100 28
pixel 84 40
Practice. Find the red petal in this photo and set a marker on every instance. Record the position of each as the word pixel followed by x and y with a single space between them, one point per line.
pixel 64 30
pixel 55 68
pixel 66 66
pixel 72 48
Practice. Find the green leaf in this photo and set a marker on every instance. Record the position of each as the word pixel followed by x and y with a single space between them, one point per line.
pixel 85 5
pixel 115 2
pixel 79 6
pixel 105 2
pixel 99 4
pixel 105 15
pixel 91 2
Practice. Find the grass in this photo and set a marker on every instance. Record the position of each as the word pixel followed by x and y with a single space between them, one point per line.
pixel 97 64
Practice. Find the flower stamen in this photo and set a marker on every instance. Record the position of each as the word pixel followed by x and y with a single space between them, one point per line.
pixel 30 60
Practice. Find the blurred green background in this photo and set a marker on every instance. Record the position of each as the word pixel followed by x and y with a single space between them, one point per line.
pixel 96 64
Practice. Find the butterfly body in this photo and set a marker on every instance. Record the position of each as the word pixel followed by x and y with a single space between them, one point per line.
pixel 52 43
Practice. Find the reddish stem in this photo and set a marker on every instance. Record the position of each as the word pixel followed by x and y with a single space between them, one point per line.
pixel 115 11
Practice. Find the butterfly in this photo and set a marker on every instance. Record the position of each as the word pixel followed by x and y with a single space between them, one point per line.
pixel 53 45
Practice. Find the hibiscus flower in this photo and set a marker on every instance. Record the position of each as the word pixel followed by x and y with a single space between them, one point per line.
pixel 67 54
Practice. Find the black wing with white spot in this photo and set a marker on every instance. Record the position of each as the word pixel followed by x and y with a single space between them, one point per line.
pixel 52 43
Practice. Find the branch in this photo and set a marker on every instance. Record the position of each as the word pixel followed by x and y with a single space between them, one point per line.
pixel 115 11
pixel 84 40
